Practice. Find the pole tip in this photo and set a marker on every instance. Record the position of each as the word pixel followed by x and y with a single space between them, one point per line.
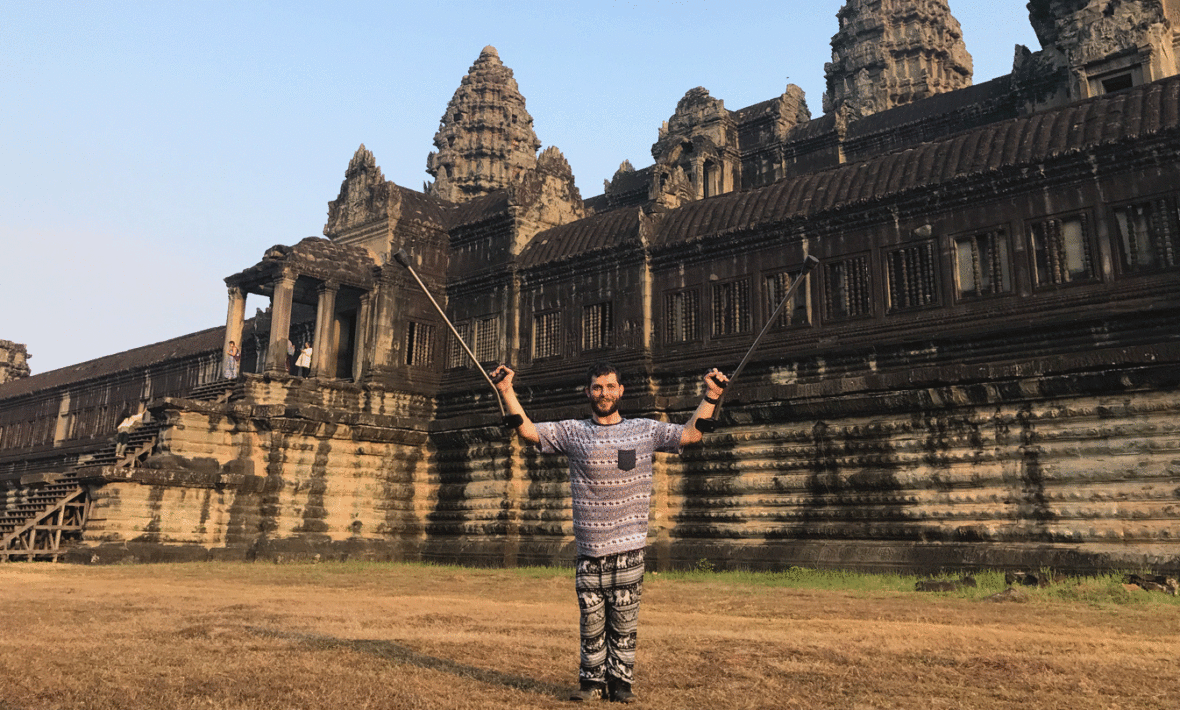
pixel 402 258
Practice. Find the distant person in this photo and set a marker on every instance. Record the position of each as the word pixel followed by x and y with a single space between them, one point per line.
pixel 303 364
pixel 123 430
pixel 233 359
pixel 290 357
pixel 610 483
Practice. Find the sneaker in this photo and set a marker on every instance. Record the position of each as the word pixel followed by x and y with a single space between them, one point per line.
pixel 620 692
pixel 588 690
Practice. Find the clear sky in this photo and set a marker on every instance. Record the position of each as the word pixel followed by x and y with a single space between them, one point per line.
pixel 150 149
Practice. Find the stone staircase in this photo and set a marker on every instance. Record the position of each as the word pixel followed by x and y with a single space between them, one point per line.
pixel 43 507
pixel 140 442
pixel 218 392
pixel 50 508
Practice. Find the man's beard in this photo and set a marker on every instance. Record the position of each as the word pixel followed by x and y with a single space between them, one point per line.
pixel 612 406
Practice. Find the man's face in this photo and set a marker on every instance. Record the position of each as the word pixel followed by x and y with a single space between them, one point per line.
pixel 604 393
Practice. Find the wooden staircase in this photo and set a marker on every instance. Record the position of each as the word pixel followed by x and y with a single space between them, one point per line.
pixel 40 519
pixel 48 510
pixel 48 507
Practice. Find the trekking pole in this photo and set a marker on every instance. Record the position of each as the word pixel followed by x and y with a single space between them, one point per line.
pixel 710 424
pixel 509 421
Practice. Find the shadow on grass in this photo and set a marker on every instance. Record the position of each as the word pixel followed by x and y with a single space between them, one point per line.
pixel 390 651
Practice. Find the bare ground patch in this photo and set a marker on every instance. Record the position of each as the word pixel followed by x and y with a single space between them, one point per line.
pixel 266 637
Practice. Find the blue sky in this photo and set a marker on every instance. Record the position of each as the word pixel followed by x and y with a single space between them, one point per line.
pixel 150 149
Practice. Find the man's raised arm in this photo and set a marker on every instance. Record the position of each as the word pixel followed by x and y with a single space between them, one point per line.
pixel 714 380
pixel 527 430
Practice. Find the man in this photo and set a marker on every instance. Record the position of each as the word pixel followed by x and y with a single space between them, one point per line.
pixel 610 482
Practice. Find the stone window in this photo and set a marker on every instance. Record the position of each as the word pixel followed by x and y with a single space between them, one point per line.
pixel 455 355
pixel 546 335
pixel 487 339
pixel 1123 73
pixel 1146 236
pixel 798 311
pixel 1062 251
pixel 1118 82
pixel 419 344
pixel 711 179
pixel 597 326
pixel 982 267
pixel 731 307
pixel 911 273
pixel 848 288
pixel 682 316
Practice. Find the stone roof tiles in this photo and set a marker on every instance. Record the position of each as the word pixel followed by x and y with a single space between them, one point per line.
pixel 479 209
pixel 1106 120
pixel 205 341
pixel 316 257
pixel 594 233
pixel 422 208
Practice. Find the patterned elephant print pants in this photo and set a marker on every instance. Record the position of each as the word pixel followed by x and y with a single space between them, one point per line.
pixel 609 589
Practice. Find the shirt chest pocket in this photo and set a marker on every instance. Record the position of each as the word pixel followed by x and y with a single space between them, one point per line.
pixel 626 459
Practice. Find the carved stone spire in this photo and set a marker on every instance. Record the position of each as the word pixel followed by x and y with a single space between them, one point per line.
pixel 363 194
pixel 889 53
pixel 486 140
pixel 701 139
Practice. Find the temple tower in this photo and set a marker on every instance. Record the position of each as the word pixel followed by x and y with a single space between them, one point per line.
pixel 890 53
pixel 701 141
pixel 486 140
pixel 1107 45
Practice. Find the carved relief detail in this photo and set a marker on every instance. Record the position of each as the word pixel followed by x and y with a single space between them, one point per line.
pixel 364 195
pixel 485 141
pixel 701 140
pixel 1106 45
pixel 14 361
pixel 890 53
pixel 546 197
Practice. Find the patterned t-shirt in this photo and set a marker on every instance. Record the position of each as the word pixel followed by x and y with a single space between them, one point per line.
pixel 610 477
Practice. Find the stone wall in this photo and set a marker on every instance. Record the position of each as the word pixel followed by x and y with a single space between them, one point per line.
pixel 295 468
pixel 1001 475
pixel 58 416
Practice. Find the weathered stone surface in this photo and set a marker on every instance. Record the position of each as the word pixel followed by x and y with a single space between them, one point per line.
pixel 890 53
pixel 699 145
pixel 364 194
pixel 14 361
pixel 485 141
pixel 1100 45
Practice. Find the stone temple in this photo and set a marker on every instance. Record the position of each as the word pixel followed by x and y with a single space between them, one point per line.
pixel 983 371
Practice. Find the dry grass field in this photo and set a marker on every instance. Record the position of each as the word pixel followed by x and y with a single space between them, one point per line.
pixel 263 636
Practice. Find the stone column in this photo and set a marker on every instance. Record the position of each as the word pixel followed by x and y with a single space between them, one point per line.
pixel 280 322
pixel 235 318
pixel 324 348
pixel 384 308
pixel 360 338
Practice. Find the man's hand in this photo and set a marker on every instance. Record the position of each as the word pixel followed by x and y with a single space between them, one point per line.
pixel 715 381
pixel 526 429
pixel 506 374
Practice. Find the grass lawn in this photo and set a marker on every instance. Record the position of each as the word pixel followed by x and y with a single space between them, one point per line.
pixel 357 635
